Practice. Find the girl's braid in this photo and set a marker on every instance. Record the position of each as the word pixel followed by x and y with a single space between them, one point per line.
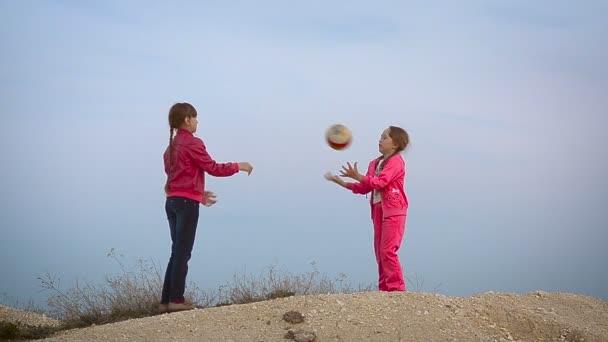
pixel 170 158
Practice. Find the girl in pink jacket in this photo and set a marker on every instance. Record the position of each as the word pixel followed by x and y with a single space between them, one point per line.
pixel 385 179
pixel 186 162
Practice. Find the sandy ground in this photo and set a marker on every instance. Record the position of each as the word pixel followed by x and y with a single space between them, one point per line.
pixel 373 316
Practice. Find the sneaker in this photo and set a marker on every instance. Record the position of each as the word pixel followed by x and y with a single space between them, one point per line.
pixel 175 307
pixel 163 308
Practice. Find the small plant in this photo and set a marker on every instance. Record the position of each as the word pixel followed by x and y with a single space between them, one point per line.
pixel 280 294
pixel 418 284
pixel 8 330
pixel 18 331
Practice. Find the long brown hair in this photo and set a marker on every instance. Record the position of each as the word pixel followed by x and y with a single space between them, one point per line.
pixel 177 115
pixel 401 138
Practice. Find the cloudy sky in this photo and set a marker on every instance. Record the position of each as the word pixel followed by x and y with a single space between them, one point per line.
pixel 505 103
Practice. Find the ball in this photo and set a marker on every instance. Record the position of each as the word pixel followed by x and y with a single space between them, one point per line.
pixel 338 137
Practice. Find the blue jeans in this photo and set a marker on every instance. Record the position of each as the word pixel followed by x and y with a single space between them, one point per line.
pixel 182 214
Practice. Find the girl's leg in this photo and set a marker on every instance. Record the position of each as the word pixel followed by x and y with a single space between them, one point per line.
pixel 185 232
pixel 377 220
pixel 393 229
pixel 172 218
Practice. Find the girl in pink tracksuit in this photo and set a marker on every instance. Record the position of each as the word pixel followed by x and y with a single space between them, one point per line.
pixel 385 179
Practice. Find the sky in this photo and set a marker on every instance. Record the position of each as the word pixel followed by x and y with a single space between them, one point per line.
pixel 505 103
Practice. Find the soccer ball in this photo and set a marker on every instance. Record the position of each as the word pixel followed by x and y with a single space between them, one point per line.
pixel 338 137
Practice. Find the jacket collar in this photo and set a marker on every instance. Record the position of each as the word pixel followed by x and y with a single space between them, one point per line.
pixel 184 131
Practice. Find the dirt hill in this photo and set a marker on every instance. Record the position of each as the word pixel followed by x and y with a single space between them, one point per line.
pixel 374 316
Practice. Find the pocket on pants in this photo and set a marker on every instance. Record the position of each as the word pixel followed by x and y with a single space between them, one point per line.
pixel 190 202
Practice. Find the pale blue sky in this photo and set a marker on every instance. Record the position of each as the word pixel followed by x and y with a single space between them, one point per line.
pixel 505 103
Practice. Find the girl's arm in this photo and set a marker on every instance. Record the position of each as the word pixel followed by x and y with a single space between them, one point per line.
pixel 202 159
pixel 358 188
pixel 353 172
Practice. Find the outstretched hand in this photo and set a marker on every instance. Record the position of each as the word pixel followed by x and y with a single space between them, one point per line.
pixel 336 179
pixel 247 167
pixel 351 172
pixel 332 178
pixel 209 199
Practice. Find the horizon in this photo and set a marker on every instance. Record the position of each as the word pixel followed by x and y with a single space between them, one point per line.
pixel 504 104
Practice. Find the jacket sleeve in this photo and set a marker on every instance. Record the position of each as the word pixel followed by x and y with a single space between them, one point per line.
pixel 358 188
pixel 203 160
pixel 392 168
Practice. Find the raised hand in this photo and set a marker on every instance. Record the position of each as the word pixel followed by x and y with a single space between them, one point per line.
pixel 351 172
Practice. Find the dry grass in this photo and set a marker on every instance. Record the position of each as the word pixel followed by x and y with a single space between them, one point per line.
pixel 135 293
pixel 130 294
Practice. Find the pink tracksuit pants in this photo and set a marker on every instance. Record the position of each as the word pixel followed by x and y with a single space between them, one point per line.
pixel 388 234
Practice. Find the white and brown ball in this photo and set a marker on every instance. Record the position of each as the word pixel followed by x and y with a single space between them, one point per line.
pixel 338 137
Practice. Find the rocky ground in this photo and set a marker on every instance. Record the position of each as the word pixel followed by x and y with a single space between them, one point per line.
pixel 373 316
pixel 8 314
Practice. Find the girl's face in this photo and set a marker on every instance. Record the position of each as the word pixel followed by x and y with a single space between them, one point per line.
pixel 191 124
pixel 386 146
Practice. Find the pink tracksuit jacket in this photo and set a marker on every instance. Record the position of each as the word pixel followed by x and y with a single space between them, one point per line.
pixel 388 217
